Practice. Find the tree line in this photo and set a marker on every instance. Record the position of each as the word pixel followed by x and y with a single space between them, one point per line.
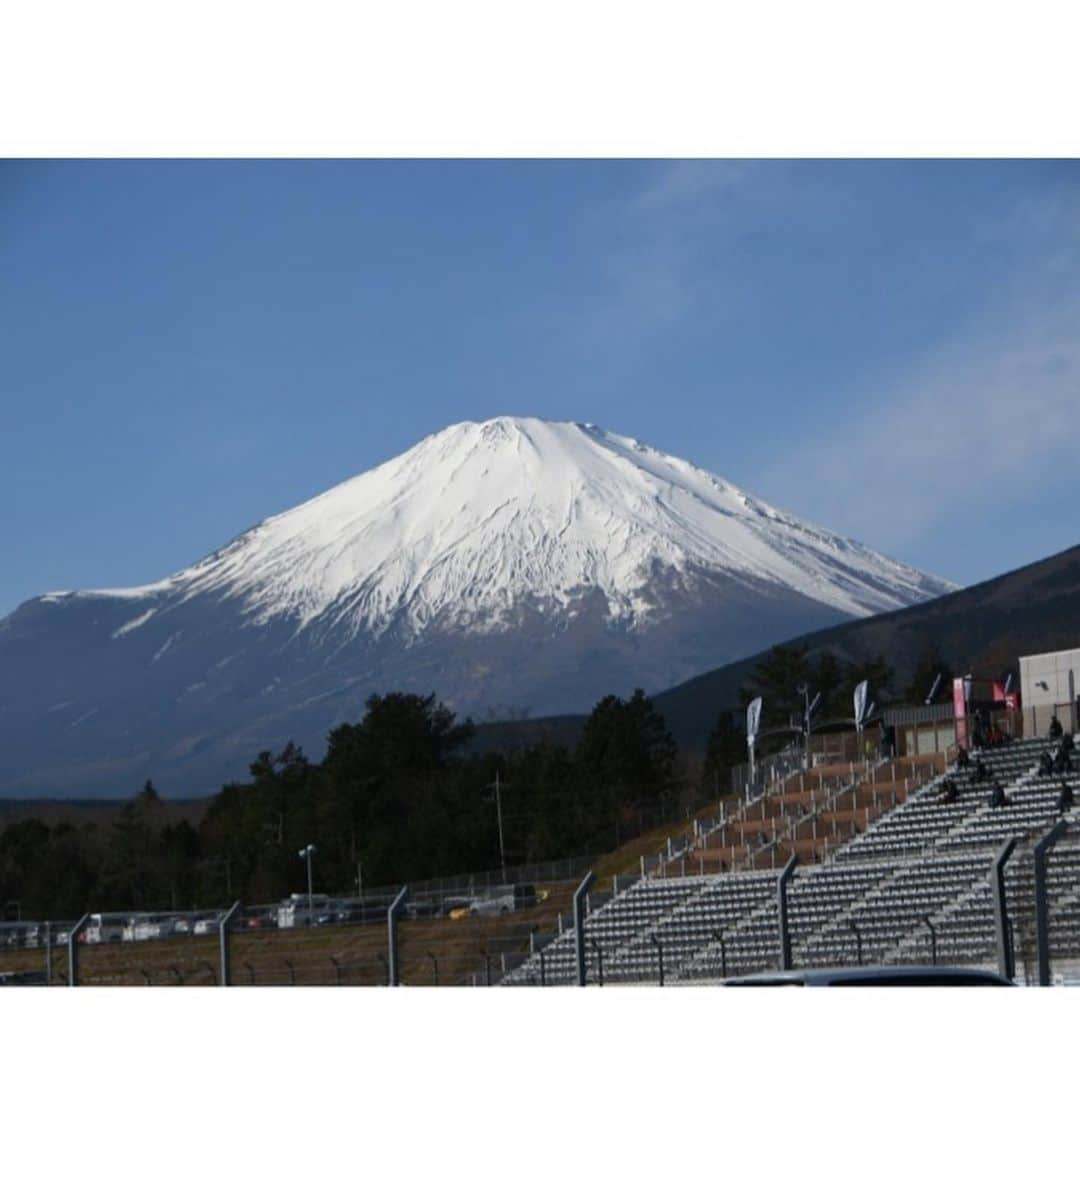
pixel 400 796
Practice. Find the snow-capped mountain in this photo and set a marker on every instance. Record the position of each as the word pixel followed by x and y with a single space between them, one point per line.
pixel 511 563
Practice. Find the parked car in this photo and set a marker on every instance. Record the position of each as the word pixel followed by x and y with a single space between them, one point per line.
pixel 501 900
pixel 871 977
pixel 456 902
pixel 298 910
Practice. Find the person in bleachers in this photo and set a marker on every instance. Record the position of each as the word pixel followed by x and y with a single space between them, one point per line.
pixel 1063 759
pixel 963 759
pixel 981 773
pixel 998 798
pixel 888 740
pixel 1046 764
pixel 1065 799
pixel 998 737
pixel 950 794
pixel 1055 730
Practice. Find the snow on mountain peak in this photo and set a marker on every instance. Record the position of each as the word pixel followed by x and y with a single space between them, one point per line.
pixel 482 517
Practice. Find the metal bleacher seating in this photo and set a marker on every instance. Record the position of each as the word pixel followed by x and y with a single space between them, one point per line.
pixel 914 884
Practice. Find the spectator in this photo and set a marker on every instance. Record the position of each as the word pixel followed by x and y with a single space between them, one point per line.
pixel 981 773
pixel 998 798
pixel 1055 730
pixel 963 759
pixel 888 740
pixel 1065 799
pixel 1063 759
pixel 1046 764
pixel 998 737
pixel 950 795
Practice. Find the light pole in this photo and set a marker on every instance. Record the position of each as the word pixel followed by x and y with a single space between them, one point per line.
pixel 808 712
pixel 306 853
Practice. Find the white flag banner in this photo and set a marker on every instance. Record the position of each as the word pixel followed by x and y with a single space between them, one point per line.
pixel 753 720
pixel 862 692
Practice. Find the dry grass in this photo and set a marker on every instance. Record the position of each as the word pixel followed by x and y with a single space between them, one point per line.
pixel 324 955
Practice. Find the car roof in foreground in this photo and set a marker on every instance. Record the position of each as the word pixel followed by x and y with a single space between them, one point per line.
pixel 904 976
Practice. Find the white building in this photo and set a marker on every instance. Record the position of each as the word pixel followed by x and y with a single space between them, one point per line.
pixel 1049 684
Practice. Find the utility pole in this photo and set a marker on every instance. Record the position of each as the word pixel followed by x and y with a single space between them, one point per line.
pixel 497 786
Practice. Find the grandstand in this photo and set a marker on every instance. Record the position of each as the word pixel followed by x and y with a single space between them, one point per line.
pixel 891 870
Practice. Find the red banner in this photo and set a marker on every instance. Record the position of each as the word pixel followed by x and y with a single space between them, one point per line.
pixel 1011 699
pixel 960 711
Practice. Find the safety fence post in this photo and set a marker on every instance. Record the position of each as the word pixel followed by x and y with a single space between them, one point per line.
pixel 73 950
pixel 659 957
pixel 933 939
pixel 1006 954
pixel 599 962
pixel 1042 918
pixel 858 941
pixel 392 936
pixel 786 875
pixel 718 936
pixel 579 925
pixel 224 944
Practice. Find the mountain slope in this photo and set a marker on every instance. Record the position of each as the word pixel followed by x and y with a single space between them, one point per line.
pixel 984 629
pixel 509 563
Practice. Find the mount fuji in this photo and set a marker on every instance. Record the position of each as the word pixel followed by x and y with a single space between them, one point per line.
pixel 510 565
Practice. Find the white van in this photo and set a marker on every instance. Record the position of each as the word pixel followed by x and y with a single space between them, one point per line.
pixel 106 928
pixel 296 911
pixel 140 927
pixel 499 900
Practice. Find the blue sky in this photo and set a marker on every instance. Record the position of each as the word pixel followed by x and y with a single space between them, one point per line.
pixel 890 349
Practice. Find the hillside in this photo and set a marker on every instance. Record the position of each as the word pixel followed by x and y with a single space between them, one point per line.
pixel 984 629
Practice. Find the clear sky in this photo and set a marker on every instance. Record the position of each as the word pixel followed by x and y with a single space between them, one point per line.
pixel 890 349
